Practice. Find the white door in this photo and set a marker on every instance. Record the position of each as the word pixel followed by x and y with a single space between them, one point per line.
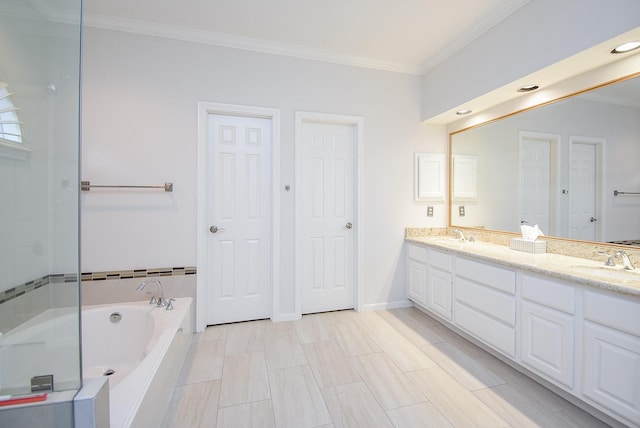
pixel 239 218
pixel 582 194
pixel 535 175
pixel 327 212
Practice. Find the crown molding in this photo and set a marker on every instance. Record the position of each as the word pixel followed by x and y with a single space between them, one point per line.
pixel 473 33
pixel 237 42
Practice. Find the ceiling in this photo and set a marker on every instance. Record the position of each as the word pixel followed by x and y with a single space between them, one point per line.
pixel 408 36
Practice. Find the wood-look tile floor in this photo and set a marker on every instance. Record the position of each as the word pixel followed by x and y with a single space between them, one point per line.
pixel 395 368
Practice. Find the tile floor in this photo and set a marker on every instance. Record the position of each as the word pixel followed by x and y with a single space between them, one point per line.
pixel 395 368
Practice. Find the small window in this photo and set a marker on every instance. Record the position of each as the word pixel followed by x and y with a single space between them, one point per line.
pixel 9 123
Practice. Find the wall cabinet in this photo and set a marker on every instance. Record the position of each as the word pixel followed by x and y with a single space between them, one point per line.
pixel 584 340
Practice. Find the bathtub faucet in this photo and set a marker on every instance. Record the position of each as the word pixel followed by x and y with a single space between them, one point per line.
pixel 159 301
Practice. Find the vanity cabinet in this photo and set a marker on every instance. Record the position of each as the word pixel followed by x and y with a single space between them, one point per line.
pixel 611 358
pixel 429 279
pixel 485 303
pixel 547 328
pixel 439 283
pixel 584 340
pixel 417 273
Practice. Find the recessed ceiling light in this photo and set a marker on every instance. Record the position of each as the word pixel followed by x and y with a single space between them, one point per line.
pixel 463 112
pixel 528 88
pixel 626 47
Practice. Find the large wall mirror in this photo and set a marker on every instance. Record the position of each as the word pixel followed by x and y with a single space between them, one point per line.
pixel 571 166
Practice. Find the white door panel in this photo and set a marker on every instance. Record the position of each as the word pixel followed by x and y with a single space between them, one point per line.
pixel 238 207
pixel 583 215
pixel 535 174
pixel 327 216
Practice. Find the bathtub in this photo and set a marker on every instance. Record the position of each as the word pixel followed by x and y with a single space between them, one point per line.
pixel 140 348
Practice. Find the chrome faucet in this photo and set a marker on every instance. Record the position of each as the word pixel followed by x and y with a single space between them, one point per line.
pixel 158 300
pixel 609 261
pixel 459 235
pixel 626 262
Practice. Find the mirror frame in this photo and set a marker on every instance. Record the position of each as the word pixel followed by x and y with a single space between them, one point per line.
pixel 504 116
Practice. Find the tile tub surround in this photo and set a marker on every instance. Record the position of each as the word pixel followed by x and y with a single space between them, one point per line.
pixel 120 286
pixel 558 266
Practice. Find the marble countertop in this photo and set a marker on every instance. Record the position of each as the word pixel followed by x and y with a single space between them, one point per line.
pixel 574 269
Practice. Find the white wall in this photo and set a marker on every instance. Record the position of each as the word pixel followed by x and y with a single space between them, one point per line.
pixel 140 97
pixel 537 35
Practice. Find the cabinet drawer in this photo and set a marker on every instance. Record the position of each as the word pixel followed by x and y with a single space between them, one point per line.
pixel 549 293
pixel 488 300
pixel 440 260
pixel 491 276
pixel 622 314
pixel 417 253
pixel 488 330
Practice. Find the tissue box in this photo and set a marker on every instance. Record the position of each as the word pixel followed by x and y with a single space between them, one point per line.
pixel 536 247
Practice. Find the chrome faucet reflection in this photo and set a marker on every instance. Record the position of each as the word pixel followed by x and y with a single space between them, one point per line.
pixel 459 235
pixel 626 262
pixel 159 299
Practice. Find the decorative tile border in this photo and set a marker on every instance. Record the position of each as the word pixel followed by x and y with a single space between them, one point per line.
pixel 138 273
pixel 56 278
pixel 22 289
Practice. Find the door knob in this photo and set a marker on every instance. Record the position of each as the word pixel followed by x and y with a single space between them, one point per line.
pixel 215 229
pixel 593 219
pixel 348 226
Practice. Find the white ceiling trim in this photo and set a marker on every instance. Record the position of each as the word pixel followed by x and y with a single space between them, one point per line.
pixel 237 42
pixel 473 33
pixel 258 45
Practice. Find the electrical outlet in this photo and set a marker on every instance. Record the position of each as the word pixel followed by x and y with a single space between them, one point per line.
pixel 461 210
pixel 429 211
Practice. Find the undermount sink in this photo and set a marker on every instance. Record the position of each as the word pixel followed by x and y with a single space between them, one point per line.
pixel 607 273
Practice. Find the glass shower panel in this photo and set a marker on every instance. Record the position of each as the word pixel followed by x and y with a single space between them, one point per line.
pixel 39 181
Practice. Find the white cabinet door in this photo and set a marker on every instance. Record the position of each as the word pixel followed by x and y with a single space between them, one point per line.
pixel 612 369
pixel 547 342
pixel 439 286
pixel 417 281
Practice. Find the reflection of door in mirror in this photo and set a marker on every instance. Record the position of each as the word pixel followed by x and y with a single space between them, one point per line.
pixel 538 181
pixel 584 194
pixel 534 183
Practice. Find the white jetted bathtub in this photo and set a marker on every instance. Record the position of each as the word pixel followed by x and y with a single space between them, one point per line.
pixel 140 347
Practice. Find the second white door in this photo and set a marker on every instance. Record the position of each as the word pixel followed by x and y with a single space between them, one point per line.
pixel 326 216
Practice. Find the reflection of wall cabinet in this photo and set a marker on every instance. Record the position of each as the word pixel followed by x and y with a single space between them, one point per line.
pixel 611 361
pixel 465 173
pixel 486 303
pixel 547 328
